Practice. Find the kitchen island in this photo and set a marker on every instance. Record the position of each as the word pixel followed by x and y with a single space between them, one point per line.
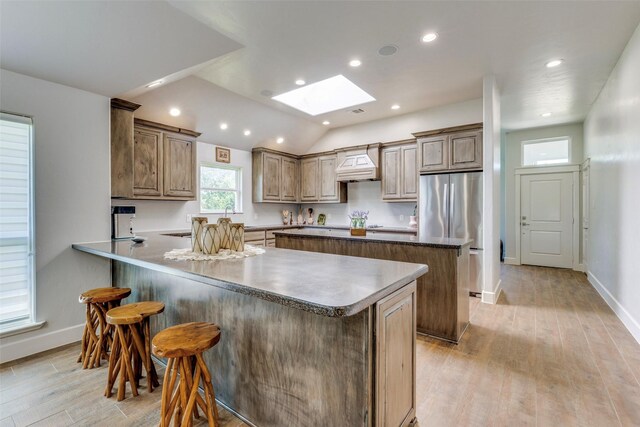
pixel 442 293
pixel 307 339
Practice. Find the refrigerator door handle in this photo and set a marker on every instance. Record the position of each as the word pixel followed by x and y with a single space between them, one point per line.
pixel 446 209
pixel 452 206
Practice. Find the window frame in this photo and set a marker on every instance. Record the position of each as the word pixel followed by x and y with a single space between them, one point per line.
pixel 238 189
pixel 543 140
pixel 26 323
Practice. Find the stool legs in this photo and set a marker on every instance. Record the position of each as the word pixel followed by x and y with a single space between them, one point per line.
pixel 97 336
pixel 180 401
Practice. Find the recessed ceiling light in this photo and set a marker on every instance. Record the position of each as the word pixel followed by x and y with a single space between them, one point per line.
pixel 545 114
pixel 300 82
pixel 554 63
pixel 247 132
pixel 395 107
pixel 429 37
pixel 326 122
pixel 355 63
pixel 175 112
pixel 156 83
pixel 331 94
pixel 280 140
pixel 223 126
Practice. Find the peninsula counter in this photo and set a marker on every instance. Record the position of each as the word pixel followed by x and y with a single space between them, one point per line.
pixel 307 339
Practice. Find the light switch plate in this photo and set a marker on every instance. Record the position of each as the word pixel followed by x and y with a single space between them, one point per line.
pixel 401 217
pixel 255 216
pixel 189 218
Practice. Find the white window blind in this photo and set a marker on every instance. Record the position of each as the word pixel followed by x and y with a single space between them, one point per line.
pixel 16 220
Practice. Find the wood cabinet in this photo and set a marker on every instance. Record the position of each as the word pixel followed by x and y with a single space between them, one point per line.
pixel 396 361
pixel 150 160
pixel 457 148
pixel 399 173
pixel 319 180
pixel 275 176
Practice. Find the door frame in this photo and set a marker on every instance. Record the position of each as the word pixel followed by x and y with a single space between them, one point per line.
pixel 536 170
pixel 585 203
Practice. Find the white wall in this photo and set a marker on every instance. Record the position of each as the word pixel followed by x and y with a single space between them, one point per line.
pixel 612 142
pixel 512 160
pixel 491 190
pixel 154 215
pixel 400 127
pixel 71 133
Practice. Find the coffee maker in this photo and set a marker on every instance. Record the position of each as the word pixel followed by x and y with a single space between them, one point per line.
pixel 122 222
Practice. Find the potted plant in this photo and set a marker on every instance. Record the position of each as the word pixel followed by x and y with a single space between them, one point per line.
pixel 359 223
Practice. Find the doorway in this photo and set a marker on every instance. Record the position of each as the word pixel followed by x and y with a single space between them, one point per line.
pixel 547 216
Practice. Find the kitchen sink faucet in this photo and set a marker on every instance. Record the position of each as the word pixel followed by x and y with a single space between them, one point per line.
pixel 233 210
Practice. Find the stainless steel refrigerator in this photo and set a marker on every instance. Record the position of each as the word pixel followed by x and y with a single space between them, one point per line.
pixel 451 206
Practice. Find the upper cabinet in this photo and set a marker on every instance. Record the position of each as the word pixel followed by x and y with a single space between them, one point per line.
pixel 150 160
pixel 399 172
pixel 319 180
pixel 309 180
pixel 458 148
pixel 275 176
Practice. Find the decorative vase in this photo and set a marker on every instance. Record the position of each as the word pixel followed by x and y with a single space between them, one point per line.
pixel 197 227
pixel 225 232
pixel 211 239
pixel 413 223
pixel 358 227
pixel 236 237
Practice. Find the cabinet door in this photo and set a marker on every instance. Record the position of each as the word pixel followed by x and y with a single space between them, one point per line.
pixel 465 150
pixel 147 162
pixel 289 189
pixel 396 358
pixel 179 166
pixel 391 173
pixel 309 177
pixel 272 169
pixel 434 153
pixel 409 172
pixel 329 188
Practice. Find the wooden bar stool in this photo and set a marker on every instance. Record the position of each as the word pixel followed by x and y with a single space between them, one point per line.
pixel 183 345
pixel 97 336
pixel 131 345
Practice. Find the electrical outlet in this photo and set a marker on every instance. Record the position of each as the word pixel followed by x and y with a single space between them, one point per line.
pixel 328 216
pixel 255 216
pixel 401 217
pixel 189 218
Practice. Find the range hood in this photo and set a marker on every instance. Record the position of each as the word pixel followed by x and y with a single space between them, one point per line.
pixel 359 163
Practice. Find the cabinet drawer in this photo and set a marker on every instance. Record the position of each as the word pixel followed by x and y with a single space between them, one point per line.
pixel 252 236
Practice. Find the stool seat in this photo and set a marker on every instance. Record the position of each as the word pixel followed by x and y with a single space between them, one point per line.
pixel 134 313
pixel 185 340
pixel 102 295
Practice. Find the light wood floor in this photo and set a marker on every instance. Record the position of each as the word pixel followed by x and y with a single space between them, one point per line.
pixel 550 353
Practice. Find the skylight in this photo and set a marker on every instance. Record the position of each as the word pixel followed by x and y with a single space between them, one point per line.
pixel 327 95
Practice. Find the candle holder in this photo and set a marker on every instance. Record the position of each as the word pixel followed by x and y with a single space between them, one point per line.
pixel 197 228
pixel 211 239
pixel 236 241
pixel 225 232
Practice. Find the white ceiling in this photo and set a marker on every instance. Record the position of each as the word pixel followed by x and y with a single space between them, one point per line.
pixel 237 49
pixel 314 40
pixel 205 106
pixel 105 47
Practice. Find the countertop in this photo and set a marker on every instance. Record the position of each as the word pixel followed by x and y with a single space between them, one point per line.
pixel 328 285
pixel 405 239
pixel 383 229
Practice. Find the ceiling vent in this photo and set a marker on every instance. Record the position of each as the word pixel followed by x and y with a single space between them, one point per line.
pixel 357 111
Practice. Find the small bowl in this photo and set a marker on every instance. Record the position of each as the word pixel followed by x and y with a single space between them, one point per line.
pixel 138 239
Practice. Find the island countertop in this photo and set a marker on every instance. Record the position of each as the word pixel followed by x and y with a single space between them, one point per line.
pixel 407 239
pixel 328 285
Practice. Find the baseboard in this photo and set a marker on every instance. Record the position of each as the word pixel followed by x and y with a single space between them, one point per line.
pixel 511 261
pixel 39 343
pixel 632 325
pixel 492 297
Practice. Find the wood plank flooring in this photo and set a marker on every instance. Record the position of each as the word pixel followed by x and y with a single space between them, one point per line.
pixel 551 352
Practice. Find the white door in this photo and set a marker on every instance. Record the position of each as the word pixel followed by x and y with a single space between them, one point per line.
pixel 546 223
pixel 585 213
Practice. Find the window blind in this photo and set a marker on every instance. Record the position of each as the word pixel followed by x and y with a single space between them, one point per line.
pixel 16 213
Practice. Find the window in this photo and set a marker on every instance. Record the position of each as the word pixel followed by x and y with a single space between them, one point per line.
pixel 544 152
pixel 16 222
pixel 220 188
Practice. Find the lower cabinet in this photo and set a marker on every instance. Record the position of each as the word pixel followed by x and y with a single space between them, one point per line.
pixel 396 358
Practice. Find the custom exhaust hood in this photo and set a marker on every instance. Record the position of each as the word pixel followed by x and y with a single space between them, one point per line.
pixel 361 163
